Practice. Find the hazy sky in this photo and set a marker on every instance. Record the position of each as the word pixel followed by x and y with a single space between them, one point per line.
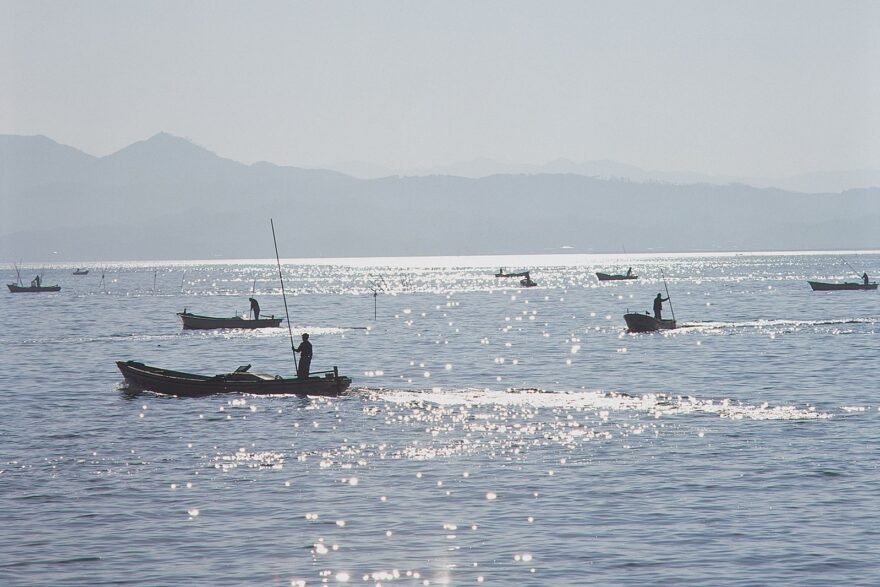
pixel 758 88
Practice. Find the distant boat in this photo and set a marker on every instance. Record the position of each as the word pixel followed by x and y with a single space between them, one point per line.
pixel 820 286
pixel 525 282
pixel 32 288
pixel 178 383
pixel 646 323
pixel 502 273
pixel 79 271
pixel 36 285
pixel 196 322
pixel 610 277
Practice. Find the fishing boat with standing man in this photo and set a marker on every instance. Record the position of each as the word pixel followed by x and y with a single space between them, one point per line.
pixel 184 384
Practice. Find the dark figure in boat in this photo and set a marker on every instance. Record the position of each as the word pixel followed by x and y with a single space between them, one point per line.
pixel 629 272
pixel 305 357
pixel 865 277
pixel 658 306
pixel 255 308
pixel 35 282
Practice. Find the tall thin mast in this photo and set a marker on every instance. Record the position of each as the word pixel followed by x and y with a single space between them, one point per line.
pixel 283 295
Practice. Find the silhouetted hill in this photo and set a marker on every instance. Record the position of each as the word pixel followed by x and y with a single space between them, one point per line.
pixel 26 161
pixel 166 156
pixel 166 198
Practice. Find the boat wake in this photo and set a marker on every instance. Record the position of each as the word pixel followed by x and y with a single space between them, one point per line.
pixel 783 324
pixel 655 405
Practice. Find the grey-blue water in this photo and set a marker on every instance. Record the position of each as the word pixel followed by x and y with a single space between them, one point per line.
pixel 493 435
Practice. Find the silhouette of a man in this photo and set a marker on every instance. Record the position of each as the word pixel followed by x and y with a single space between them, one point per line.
pixel 629 272
pixel 35 282
pixel 865 277
pixel 658 306
pixel 305 357
pixel 255 308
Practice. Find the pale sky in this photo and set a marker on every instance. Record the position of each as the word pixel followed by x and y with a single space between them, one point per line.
pixel 754 88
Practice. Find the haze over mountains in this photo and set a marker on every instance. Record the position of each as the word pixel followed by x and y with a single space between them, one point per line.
pixel 167 198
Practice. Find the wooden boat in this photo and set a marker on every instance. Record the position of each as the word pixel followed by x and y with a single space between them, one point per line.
pixel 32 288
pixel 79 271
pixel 610 277
pixel 167 382
pixel 526 280
pixel 820 286
pixel 646 323
pixel 196 322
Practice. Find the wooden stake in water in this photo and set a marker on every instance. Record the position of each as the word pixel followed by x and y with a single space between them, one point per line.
pixel 284 296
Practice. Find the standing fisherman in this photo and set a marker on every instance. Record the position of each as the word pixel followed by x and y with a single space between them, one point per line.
pixel 658 306
pixel 865 277
pixel 305 357
pixel 255 308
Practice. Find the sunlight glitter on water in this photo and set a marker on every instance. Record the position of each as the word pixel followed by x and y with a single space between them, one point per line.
pixel 720 434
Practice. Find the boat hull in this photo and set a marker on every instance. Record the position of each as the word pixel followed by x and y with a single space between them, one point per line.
pixel 820 286
pixel 196 322
pixel 81 272
pixel 646 323
pixel 32 289
pixel 609 277
pixel 181 384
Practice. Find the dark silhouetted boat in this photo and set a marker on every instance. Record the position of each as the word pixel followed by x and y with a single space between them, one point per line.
pixel 821 286
pixel 610 277
pixel 646 323
pixel 36 285
pixel 79 271
pixel 526 280
pixel 177 383
pixel 32 288
pixel 196 322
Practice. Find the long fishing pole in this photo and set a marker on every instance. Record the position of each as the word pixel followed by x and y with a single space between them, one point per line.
pixel 669 299
pixel 253 293
pixel 283 295
pixel 851 267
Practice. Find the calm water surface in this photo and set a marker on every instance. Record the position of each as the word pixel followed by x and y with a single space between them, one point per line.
pixel 493 435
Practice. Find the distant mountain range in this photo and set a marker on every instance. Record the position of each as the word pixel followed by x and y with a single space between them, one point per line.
pixel 818 182
pixel 167 198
